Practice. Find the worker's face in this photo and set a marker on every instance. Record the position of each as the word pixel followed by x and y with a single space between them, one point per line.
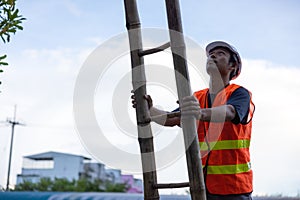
pixel 218 62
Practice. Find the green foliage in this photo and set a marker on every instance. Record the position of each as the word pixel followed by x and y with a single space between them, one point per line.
pixel 64 185
pixel 61 184
pixel 84 185
pixel 10 19
pixel 118 187
pixel 1 61
pixel 44 184
pixel 25 186
pixel 10 23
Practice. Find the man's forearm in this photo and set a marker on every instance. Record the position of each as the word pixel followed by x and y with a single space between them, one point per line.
pixel 218 114
pixel 161 117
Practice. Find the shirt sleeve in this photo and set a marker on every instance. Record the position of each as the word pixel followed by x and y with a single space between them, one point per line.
pixel 240 100
pixel 176 110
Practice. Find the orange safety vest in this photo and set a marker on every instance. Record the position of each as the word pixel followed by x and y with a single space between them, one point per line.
pixel 224 148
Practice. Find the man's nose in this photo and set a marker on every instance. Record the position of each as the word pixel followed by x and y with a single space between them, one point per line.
pixel 212 56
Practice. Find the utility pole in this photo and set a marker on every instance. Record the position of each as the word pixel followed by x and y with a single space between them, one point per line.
pixel 13 123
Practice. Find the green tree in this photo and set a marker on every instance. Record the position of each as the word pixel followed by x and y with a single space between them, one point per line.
pixel 84 185
pixel 64 185
pixel 44 184
pixel 117 187
pixel 25 186
pixel 10 23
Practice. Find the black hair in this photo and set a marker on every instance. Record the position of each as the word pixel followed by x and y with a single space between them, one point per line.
pixel 233 60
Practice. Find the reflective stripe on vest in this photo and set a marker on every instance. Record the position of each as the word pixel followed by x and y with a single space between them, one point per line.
pixel 225 144
pixel 229 169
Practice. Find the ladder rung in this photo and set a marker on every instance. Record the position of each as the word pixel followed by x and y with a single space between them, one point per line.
pixel 171 185
pixel 154 50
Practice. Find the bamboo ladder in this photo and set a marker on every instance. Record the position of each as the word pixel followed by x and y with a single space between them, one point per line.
pixel 145 137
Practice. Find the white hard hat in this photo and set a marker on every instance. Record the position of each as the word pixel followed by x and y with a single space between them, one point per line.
pixel 216 44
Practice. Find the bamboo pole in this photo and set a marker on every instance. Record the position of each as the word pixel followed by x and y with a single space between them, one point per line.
pixel 142 111
pixel 188 124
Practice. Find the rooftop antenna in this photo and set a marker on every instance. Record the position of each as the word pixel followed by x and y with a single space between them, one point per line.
pixel 13 123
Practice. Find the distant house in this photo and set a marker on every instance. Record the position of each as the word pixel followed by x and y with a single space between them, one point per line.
pixel 72 167
pixel 52 165
pixel 114 175
pixel 136 185
pixel 94 171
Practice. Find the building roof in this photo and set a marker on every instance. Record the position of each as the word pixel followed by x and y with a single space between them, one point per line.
pixel 51 154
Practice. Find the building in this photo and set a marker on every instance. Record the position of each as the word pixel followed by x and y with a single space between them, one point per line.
pixel 72 167
pixel 114 175
pixel 94 171
pixel 136 185
pixel 52 165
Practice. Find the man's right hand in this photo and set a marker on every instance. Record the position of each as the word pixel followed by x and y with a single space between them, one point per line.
pixel 159 116
pixel 148 99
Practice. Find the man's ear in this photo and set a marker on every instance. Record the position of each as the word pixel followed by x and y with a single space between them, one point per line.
pixel 232 65
pixel 232 68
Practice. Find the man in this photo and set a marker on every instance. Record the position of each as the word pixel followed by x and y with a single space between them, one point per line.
pixel 224 112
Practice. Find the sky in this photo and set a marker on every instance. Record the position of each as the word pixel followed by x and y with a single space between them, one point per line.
pixel 68 44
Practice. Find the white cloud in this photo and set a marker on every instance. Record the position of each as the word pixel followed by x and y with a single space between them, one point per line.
pixel 275 135
pixel 73 8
